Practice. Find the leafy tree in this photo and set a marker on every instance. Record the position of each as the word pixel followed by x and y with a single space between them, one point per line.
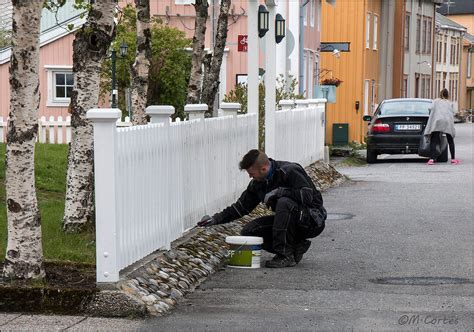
pixel 169 67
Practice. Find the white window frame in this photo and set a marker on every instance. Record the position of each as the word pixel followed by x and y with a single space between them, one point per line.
pixel 319 14
pixel 366 97
pixel 305 15
pixel 305 77
pixel 372 97
pixel 311 13
pixel 310 76
pixel 184 2
pixel 469 63
pixel 375 40
pixel 52 100
pixel 367 32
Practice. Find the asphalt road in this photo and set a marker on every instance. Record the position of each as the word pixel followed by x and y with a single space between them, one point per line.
pixel 401 260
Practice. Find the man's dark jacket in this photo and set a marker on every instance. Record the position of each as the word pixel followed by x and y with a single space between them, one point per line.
pixel 291 179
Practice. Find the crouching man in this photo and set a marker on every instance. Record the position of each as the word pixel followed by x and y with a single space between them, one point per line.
pixel 288 191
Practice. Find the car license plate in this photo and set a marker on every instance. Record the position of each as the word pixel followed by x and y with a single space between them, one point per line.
pixel 407 127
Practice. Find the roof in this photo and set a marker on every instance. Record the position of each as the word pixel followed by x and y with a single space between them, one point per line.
pixel 446 23
pixel 456 7
pixel 469 37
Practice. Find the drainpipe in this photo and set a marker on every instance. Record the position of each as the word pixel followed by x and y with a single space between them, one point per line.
pixel 301 46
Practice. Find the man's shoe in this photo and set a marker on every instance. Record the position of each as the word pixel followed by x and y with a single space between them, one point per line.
pixel 301 249
pixel 281 261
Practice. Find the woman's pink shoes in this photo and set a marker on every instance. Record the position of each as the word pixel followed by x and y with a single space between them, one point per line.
pixel 453 162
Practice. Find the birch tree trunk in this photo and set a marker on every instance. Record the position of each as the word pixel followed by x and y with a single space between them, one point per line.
pixel 89 49
pixel 194 86
pixel 211 82
pixel 141 67
pixel 24 255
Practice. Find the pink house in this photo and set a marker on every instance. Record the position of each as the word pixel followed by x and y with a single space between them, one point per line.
pixel 56 79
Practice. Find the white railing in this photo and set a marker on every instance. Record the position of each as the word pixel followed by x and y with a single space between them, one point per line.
pixel 52 130
pixel 155 181
pixel 300 131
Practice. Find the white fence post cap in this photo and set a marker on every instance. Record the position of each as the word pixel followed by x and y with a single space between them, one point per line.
pixel 104 114
pixel 286 102
pixel 195 108
pixel 317 100
pixel 230 106
pixel 159 110
pixel 301 102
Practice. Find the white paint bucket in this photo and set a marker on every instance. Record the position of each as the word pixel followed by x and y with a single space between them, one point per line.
pixel 244 252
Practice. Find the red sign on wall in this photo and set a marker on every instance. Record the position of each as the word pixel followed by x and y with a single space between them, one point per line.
pixel 242 43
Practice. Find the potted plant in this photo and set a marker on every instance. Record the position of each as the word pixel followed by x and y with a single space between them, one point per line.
pixel 331 81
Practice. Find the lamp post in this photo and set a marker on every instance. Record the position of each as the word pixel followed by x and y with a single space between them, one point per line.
pixel 263 21
pixel 280 30
pixel 123 53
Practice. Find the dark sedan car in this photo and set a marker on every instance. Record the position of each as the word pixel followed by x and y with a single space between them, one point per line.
pixel 396 127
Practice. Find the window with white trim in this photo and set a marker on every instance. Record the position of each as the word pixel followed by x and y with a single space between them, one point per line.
pixel 184 2
pixel 60 84
pixel 319 14
pixel 469 63
pixel 367 32
pixel 311 14
pixel 366 97
pixel 305 14
pixel 376 21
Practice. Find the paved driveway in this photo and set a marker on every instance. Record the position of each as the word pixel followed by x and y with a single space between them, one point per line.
pixel 401 261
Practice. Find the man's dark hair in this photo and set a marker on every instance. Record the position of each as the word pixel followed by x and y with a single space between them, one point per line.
pixel 444 94
pixel 253 157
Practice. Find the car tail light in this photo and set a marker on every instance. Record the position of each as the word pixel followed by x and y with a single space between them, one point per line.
pixel 380 127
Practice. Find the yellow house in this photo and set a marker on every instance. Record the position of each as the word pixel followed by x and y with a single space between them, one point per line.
pixel 358 23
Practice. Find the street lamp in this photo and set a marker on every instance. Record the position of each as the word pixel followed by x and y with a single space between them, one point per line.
pixel 123 53
pixel 263 20
pixel 279 28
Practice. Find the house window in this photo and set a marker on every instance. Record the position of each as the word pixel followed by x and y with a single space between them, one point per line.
pixel 311 14
pixel 375 31
pixel 310 77
pixel 428 45
pixel 407 32
pixel 469 63
pixel 319 15
pixel 418 28
pixel 305 68
pixel 458 43
pixel 372 104
pixel 60 84
pixel 366 97
pixel 422 86
pixel 445 48
pixel 305 14
pixel 423 35
pixel 367 32
pixel 184 2
pixel 405 86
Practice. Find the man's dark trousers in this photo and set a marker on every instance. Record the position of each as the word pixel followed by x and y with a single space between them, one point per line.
pixel 282 232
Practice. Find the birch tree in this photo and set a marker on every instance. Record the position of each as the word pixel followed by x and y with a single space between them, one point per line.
pixel 212 63
pixel 194 86
pixel 24 254
pixel 141 67
pixel 89 49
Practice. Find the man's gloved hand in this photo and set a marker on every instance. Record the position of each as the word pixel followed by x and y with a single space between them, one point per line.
pixel 272 196
pixel 207 221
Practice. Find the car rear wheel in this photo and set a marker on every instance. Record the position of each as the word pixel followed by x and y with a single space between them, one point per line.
pixel 371 157
pixel 443 157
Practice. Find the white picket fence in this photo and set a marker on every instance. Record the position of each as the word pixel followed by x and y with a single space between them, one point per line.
pixel 52 130
pixel 300 131
pixel 154 182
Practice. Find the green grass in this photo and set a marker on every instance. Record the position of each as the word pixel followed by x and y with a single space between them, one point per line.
pixel 50 167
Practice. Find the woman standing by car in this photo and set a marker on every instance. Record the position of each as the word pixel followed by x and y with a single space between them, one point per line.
pixel 441 121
